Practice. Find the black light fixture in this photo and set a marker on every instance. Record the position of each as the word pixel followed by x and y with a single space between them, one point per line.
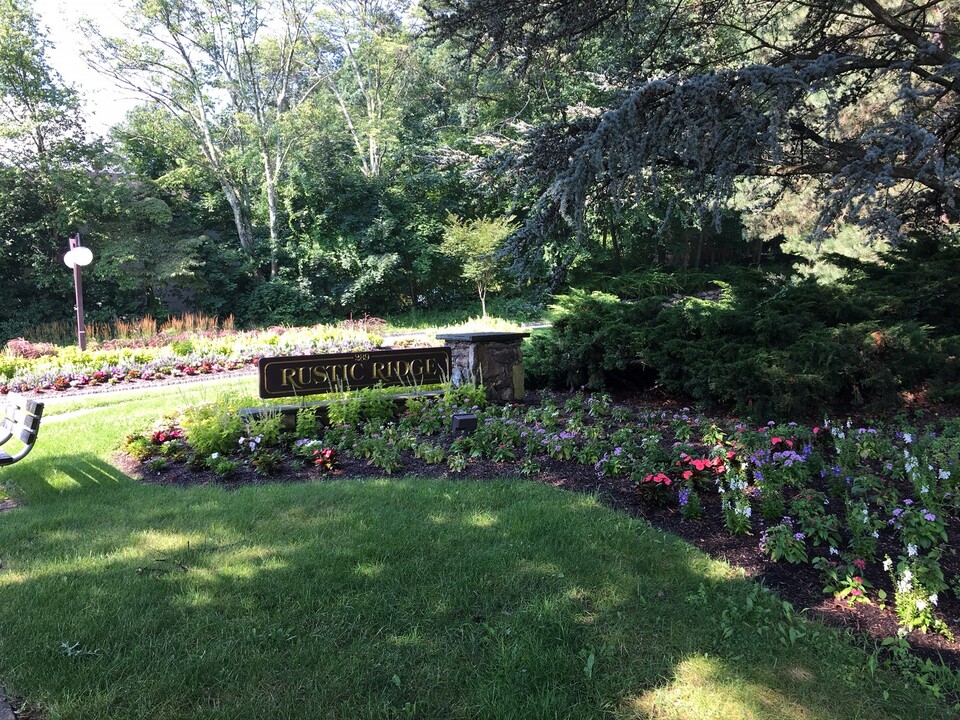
pixel 464 423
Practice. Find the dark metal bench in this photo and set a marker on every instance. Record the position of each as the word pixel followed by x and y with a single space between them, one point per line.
pixel 20 421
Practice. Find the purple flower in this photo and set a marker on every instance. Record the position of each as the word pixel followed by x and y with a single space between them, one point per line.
pixel 799 536
pixel 930 517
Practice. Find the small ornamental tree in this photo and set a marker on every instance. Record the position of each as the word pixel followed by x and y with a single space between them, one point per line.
pixel 477 243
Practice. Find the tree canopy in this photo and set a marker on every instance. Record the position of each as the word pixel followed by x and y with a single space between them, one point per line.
pixel 857 98
pixel 295 160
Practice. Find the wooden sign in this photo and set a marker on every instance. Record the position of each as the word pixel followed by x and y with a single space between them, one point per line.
pixel 294 376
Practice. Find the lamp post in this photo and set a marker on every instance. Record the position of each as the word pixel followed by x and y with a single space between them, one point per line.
pixel 78 256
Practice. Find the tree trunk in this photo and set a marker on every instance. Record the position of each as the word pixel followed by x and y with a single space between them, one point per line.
pixel 270 185
pixel 241 217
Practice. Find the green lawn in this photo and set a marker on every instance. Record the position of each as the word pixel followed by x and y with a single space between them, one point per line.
pixel 382 599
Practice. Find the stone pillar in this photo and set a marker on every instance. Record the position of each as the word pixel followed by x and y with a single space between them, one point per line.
pixel 493 359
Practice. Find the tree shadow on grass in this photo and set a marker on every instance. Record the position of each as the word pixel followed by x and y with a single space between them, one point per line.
pixel 396 598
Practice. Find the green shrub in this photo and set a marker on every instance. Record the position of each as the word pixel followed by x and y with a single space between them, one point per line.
pixel 755 342
pixel 306 428
pixel 376 405
pixel 10 365
pixel 213 427
pixel 182 347
pixel 267 427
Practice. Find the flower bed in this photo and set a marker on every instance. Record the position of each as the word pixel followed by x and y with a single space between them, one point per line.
pixel 23 368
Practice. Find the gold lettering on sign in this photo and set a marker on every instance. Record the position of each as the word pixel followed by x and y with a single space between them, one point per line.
pixel 288 376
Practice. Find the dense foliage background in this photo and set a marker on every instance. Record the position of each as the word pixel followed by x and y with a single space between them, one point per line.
pixel 763 218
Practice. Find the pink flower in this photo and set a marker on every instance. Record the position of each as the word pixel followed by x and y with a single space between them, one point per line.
pixel 861 564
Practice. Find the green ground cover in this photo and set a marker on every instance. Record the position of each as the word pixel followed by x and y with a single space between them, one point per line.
pixel 399 598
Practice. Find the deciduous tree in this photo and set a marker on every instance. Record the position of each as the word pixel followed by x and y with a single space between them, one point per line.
pixel 476 243
pixel 231 71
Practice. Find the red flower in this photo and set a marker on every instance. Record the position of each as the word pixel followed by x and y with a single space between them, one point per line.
pixel 658 479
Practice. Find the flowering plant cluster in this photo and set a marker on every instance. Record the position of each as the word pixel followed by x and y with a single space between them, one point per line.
pixel 784 542
pixel 655 488
pixel 162 356
pixel 915 603
pixel 845 581
pixel 325 459
pixel 692 468
pixel 918 527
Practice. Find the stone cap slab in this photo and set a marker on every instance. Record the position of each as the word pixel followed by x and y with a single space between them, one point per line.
pixel 480 337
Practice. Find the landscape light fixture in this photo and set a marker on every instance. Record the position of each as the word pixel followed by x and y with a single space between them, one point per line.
pixel 78 256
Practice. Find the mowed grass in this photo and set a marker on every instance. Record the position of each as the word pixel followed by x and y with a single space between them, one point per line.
pixel 385 599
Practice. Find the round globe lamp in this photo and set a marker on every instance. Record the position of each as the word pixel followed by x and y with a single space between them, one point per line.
pixel 77 257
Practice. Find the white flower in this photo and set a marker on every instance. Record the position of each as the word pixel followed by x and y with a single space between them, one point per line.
pixel 905 584
pixel 876 533
pixel 911 549
pixel 907 438
pixel 943 475
pixel 214 456
pixel 921 605
pixel 924 489
pixel 887 564
pixel 933 599
pixel 834 551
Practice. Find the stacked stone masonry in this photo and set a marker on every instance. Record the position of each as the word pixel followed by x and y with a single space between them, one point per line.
pixel 493 359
